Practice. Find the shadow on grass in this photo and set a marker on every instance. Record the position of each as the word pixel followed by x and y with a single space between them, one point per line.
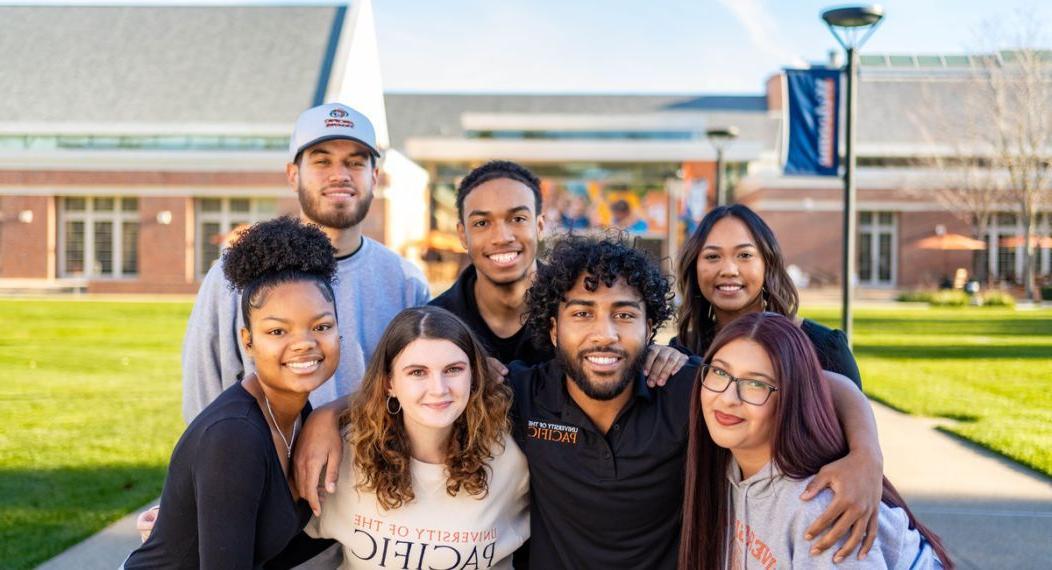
pixel 956 352
pixel 45 511
pixel 974 324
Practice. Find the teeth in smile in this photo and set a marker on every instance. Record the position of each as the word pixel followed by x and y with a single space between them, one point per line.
pixel 602 360
pixel 504 257
pixel 302 365
pixel 729 287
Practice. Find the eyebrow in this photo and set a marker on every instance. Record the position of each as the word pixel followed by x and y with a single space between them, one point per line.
pixel 317 151
pixel 412 366
pixel 739 246
pixel 615 304
pixel 745 376
pixel 487 212
pixel 317 317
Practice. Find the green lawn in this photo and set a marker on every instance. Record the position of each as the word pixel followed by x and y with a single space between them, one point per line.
pixel 90 400
pixel 988 369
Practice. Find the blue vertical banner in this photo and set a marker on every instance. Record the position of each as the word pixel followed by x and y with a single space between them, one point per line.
pixel 813 121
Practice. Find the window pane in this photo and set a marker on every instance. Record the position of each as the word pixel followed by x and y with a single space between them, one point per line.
pixel 210 238
pixel 886 219
pixel 1006 219
pixel 865 218
pixel 266 207
pixel 103 204
pixel 865 257
pixel 74 204
pixel 884 270
pixel 129 204
pixel 239 205
pixel 130 248
pixel 103 248
pixel 74 245
pixel 210 204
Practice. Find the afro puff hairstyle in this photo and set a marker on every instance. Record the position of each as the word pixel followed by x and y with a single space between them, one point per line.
pixel 494 170
pixel 282 250
pixel 602 260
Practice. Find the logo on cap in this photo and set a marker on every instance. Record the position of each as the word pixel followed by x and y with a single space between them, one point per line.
pixel 337 113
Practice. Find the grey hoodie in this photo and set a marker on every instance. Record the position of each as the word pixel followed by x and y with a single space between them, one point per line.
pixel 769 519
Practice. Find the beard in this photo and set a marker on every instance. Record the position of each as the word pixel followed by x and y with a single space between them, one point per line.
pixel 340 218
pixel 574 369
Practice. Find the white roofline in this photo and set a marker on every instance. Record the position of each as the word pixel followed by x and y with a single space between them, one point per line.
pixel 534 150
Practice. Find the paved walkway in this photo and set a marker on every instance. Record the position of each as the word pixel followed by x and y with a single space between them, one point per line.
pixel 991 512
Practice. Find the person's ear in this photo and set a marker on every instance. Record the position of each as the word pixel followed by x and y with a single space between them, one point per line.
pixel 540 224
pixel 246 339
pixel 292 175
pixel 462 234
pixel 553 332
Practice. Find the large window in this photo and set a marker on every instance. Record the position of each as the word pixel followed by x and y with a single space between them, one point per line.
pixel 217 217
pixel 98 236
pixel 876 248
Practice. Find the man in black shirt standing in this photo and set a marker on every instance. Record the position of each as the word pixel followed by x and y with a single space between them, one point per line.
pixel 606 451
pixel 500 223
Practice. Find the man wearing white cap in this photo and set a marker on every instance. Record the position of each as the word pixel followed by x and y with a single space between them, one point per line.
pixel 332 169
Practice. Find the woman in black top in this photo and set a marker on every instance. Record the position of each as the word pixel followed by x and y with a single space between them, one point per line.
pixel 731 266
pixel 228 501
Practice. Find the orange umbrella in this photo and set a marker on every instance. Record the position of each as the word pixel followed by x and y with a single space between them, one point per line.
pixel 1016 241
pixel 951 242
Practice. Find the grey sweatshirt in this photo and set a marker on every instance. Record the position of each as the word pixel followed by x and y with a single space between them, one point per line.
pixel 371 287
pixel 769 519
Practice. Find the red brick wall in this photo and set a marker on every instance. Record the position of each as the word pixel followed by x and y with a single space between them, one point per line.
pixel 811 241
pixel 775 95
pixel 24 247
pixel 925 267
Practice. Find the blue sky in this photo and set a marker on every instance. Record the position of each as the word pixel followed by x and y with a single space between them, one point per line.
pixel 659 46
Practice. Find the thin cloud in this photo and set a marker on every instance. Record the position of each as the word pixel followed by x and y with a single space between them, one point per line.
pixel 762 30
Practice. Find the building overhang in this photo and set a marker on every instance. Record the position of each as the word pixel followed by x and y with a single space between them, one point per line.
pixel 453 149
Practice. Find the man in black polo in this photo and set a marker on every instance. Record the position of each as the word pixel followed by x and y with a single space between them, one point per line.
pixel 606 451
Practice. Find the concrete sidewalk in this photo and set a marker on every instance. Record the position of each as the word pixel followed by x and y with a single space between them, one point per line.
pixel 991 512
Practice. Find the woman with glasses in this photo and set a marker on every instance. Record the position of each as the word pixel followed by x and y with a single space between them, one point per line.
pixel 762 424
pixel 732 266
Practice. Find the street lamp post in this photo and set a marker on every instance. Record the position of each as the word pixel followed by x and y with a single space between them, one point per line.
pixel 851 26
pixel 721 138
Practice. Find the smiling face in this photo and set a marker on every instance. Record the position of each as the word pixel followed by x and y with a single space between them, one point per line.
pixel 601 337
pixel 731 270
pixel 292 337
pixel 334 182
pixel 500 230
pixel 743 428
pixel 431 378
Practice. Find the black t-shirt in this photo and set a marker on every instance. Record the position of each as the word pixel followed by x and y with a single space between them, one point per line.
pixel 226 503
pixel 830 344
pixel 460 300
pixel 602 501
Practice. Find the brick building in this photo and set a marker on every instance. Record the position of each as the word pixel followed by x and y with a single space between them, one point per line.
pixel 134 138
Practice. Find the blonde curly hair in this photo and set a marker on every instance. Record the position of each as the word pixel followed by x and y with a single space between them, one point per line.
pixel 378 439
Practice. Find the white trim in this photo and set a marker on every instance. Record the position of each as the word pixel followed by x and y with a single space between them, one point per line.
pixel 355 77
pixel 148 191
pixel 89 216
pixel 679 121
pixel 442 149
pixel 875 230
pixel 145 160
pixel 43 128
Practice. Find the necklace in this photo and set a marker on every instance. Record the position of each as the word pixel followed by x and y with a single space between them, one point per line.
pixel 288 443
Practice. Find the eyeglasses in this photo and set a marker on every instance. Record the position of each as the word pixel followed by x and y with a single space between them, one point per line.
pixel 755 392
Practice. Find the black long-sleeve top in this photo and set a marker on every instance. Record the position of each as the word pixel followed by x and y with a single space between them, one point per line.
pixel 226 503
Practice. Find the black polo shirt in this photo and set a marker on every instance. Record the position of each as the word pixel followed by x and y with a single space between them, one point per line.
pixel 460 300
pixel 602 501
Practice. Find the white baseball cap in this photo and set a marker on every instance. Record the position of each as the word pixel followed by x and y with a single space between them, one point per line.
pixel 329 122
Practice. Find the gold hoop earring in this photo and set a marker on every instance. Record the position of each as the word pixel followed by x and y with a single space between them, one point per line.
pixel 763 299
pixel 397 403
pixel 712 314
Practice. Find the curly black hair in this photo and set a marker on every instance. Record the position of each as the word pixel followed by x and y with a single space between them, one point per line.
pixel 282 250
pixel 604 260
pixel 494 170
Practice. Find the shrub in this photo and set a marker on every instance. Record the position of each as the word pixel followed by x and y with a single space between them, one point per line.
pixel 949 298
pixel 918 296
pixel 998 299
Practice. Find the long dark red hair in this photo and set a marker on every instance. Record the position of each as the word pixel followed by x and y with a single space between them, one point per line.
pixel 806 436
